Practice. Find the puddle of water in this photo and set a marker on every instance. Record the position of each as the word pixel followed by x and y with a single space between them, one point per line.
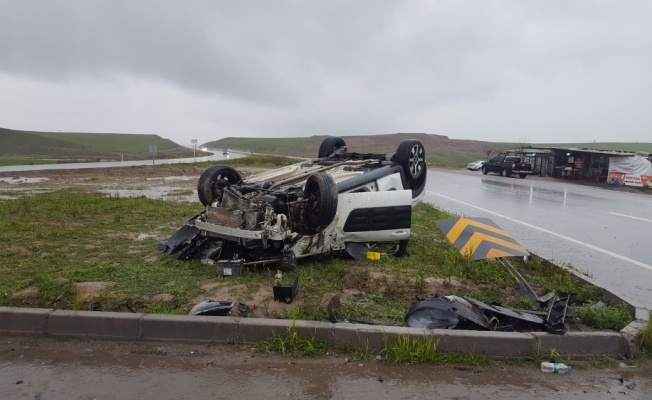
pixel 22 179
pixel 173 178
pixel 17 193
pixel 157 193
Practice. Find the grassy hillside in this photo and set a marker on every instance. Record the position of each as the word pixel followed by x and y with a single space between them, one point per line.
pixel 71 146
pixel 440 149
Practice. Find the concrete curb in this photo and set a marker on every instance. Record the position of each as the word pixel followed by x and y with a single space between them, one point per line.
pixel 190 328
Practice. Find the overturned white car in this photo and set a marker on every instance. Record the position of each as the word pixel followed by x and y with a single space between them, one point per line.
pixel 339 203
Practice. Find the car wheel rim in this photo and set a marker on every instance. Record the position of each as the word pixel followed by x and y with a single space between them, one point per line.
pixel 416 160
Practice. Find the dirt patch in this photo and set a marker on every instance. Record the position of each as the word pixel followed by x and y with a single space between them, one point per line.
pixel 163 298
pixel 25 294
pixel 87 291
pixel 20 250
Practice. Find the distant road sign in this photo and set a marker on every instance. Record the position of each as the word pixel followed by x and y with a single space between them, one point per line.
pixel 152 148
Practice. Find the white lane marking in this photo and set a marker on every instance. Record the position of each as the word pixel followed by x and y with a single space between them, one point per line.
pixel 587 245
pixel 631 216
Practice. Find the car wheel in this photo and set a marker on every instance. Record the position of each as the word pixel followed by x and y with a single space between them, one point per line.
pixel 411 156
pixel 484 170
pixel 213 180
pixel 329 145
pixel 504 172
pixel 522 176
pixel 321 195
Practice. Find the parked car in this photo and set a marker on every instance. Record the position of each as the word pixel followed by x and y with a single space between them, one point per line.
pixel 337 203
pixel 506 165
pixel 475 165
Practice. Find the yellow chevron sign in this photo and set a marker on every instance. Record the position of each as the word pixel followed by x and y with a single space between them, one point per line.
pixel 480 238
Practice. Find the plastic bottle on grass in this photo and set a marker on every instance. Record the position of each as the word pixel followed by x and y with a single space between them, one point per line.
pixel 556 368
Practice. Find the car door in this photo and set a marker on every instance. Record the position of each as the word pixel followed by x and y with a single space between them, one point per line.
pixel 374 216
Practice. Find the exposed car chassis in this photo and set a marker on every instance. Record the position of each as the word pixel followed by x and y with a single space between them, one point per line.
pixel 338 203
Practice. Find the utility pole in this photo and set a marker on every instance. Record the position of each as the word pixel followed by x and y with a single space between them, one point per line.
pixel 152 149
pixel 194 146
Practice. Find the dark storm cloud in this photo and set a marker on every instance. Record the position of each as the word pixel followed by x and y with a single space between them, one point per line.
pixel 469 69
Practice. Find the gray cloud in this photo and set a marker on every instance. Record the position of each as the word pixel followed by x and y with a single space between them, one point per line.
pixel 501 71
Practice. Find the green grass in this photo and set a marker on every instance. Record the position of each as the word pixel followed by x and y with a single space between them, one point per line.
pixel 292 344
pixel 31 146
pixel 423 350
pixel 53 240
pixel 645 337
pixel 22 161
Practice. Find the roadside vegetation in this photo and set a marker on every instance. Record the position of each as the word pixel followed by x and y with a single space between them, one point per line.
pixel 57 242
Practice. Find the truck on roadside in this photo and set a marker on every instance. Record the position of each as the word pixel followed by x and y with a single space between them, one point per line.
pixel 507 165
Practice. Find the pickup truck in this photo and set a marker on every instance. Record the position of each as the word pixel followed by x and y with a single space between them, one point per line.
pixel 506 166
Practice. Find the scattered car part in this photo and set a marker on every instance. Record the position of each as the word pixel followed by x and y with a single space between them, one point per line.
pixel 557 314
pixel 444 313
pixel 286 293
pixel 210 307
pixel 449 312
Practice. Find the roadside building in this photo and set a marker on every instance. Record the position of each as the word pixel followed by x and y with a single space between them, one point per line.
pixel 571 163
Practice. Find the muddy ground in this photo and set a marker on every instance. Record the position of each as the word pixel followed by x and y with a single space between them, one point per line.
pixel 47 369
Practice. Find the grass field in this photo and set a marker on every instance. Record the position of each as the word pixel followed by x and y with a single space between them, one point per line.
pixel 57 240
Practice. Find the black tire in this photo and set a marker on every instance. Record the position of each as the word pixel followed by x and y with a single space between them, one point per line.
pixel 319 212
pixel 411 156
pixel 213 180
pixel 504 172
pixel 329 145
pixel 522 176
pixel 484 170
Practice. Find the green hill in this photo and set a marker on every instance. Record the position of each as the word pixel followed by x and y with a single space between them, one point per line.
pixel 440 149
pixel 71 146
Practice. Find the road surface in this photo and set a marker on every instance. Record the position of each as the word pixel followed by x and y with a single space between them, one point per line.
pixel 54 369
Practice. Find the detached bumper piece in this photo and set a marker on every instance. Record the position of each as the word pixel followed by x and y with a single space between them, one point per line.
pixel 209 307
pixel 449 312
pixel 187 243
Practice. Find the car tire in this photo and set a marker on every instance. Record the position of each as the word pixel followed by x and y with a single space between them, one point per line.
pixel 504 172
pixel 321 208
pixel 329 145
pixel 484 170
pixel 212 181
pixel 522 176
pixel 411 156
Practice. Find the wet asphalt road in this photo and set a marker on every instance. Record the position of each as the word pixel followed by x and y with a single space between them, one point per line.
pixel 58 369
pixel 217 155
pixel 602 233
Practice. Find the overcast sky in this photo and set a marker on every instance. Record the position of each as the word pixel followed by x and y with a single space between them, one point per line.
pixel 515 71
